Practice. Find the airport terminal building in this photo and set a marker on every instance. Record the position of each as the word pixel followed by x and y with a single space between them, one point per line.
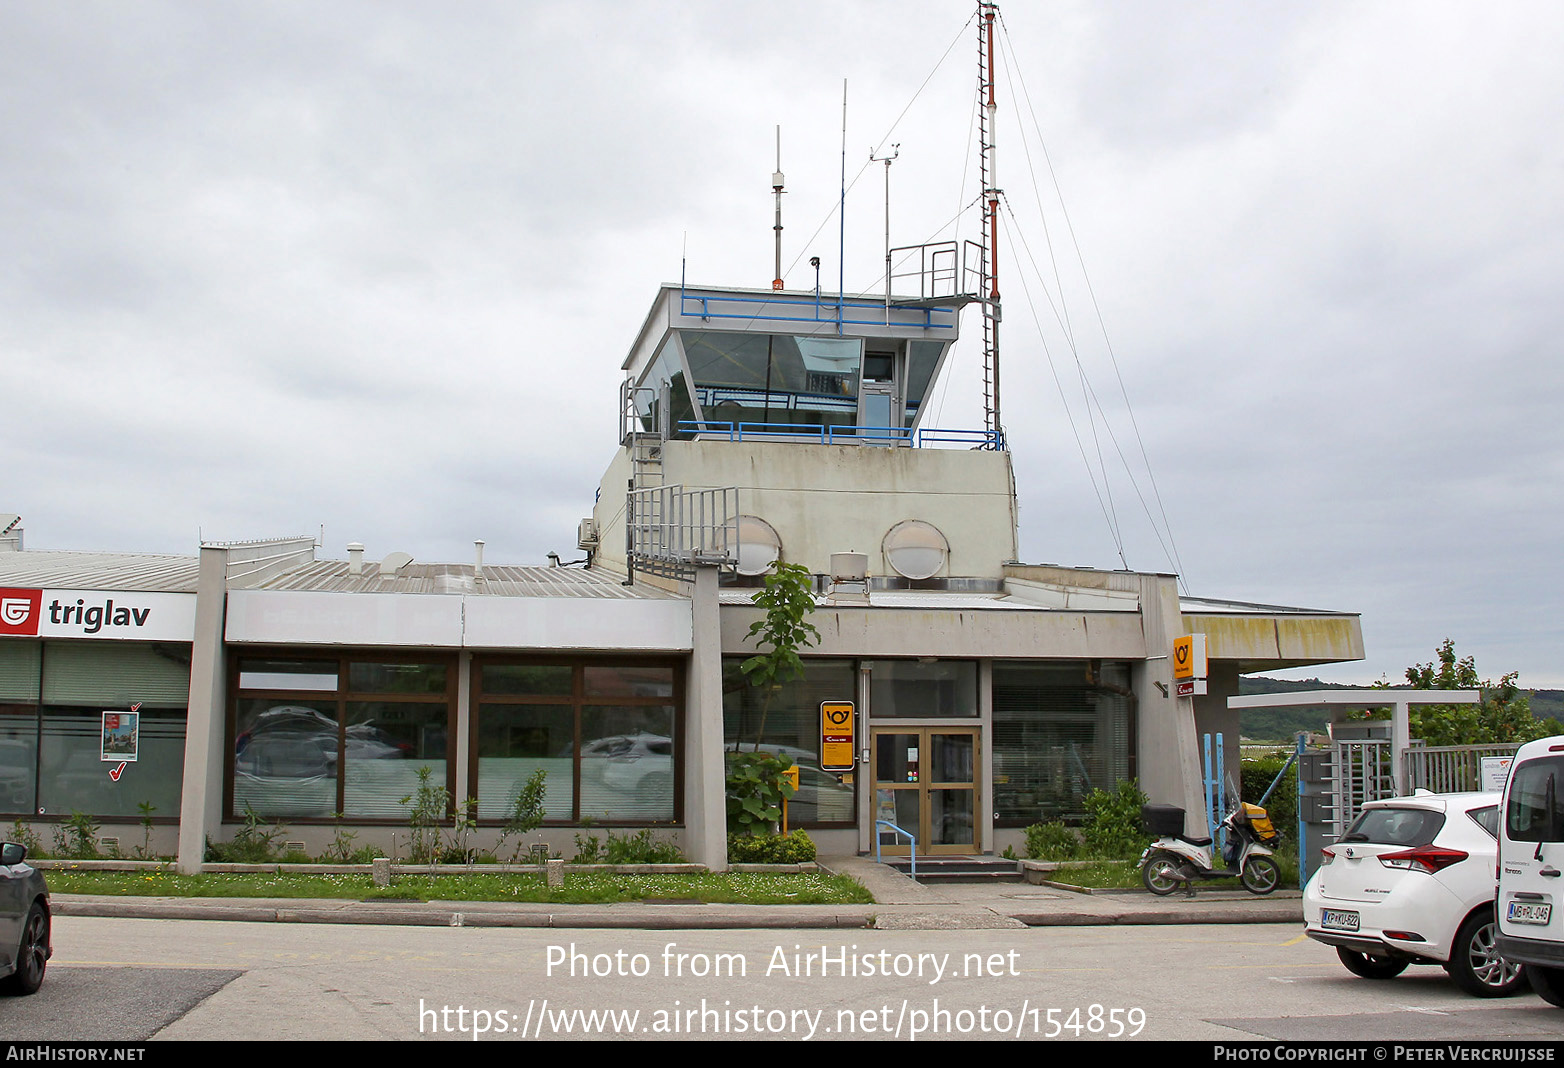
pixel 985 694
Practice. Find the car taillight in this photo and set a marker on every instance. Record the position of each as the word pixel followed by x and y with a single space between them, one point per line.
pixel 1423 858
pixel 1327 854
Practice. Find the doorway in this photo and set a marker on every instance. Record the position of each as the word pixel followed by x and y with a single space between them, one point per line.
pixel 925 782
pixel 878 421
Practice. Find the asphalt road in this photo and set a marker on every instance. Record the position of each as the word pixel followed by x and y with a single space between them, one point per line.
pixel 134 979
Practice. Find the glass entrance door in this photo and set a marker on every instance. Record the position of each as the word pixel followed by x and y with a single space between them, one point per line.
pixel 925 782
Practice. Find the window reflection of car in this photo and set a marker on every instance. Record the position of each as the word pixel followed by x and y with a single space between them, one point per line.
pixel 288 742
pixel 640 764
pixel 294 742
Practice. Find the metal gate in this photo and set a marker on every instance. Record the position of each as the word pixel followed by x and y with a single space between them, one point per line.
pixel 1363 773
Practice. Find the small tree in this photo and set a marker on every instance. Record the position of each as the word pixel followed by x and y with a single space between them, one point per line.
pixel 756 787
pixel 788 599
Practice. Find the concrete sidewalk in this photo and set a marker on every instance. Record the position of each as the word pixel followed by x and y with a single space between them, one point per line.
pixel 901 904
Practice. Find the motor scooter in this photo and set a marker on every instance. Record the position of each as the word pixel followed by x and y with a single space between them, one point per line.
pixel 1175 860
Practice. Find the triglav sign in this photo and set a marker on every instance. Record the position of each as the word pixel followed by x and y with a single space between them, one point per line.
pixel 114 614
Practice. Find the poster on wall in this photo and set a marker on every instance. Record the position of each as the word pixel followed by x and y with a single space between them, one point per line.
pixel 121 738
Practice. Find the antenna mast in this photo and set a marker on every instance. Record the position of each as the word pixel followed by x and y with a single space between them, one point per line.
pixel 989 175
pixel 776 187
pixel 895 151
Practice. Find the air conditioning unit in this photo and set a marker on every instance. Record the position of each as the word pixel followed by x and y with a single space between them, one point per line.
pixel 586 534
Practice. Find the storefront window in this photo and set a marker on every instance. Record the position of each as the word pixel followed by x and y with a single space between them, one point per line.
pixel 1061 730
pixel 385 744
pixel 603 734
pixel 80 681
pixel 514 743
pixel 19 674
pixel 787 721
pixel 936 689
pixel 285 758
pixel 305 748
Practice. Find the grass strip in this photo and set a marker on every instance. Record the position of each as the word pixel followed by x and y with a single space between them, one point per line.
pixel 742 888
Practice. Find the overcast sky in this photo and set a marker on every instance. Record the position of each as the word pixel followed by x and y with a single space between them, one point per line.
pixel 373 267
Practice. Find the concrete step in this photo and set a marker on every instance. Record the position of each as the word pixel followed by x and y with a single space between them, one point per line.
pixel 960 869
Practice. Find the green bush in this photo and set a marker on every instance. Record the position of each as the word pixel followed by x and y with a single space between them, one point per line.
pixel 638 848
pixel 1052 841
pixel 755 791
pixel 1282 805
pixel 1113 828
pixel 794 848
pixel 253 843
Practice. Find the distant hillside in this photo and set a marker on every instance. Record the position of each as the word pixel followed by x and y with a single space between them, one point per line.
pixel 1283 723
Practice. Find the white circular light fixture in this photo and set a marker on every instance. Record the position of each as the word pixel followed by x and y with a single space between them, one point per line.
pixel 759 545
pixel 915 549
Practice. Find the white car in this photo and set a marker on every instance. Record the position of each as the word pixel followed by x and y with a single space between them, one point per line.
pixel 1531 924
pixel 1412 882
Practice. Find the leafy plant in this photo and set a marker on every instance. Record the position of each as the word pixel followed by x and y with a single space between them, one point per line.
pixel 1053 841
pixel 638 848
pixel 23 835
pixel 253 843
pixel 341 848
pixel 145 850
pixel 77 837
pixel 1113 826
pixel 756 787
pixel 794 848
pixel 788 598
pixel 427 808
pixel 526 814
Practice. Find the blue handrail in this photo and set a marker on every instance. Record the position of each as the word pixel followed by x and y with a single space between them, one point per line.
pixel 912 841
pixel 704 301
pixel 841 434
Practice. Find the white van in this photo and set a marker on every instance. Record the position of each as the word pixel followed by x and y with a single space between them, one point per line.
pixel 1531 867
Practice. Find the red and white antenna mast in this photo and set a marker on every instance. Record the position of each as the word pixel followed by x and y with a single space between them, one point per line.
pixel 989 176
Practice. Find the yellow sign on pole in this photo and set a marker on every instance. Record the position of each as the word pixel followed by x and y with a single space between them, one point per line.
pixel 1189 664
pixel 838 738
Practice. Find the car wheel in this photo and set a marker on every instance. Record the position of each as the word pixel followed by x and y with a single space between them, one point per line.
pixel 1162 874
pixel 1361 964
pixel 1260 875
pixel 32 954
pixel 1475 964
pixel 1548 983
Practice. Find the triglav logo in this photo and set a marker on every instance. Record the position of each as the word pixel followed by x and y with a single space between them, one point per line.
pixel 19 611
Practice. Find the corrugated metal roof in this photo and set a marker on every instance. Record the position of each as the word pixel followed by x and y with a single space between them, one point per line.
pixel 59 569
pixel 499 580
pixel 940 600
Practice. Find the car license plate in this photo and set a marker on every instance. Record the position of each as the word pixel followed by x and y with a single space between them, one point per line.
pixel 1334 920
pixel 1535 912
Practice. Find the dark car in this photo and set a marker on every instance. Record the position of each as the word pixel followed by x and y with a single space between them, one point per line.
pixel 24 922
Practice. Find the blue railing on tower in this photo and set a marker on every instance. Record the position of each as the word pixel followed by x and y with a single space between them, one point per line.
pixel 834 312
pixel 844 434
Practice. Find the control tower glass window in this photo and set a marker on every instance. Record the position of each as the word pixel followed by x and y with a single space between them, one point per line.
pixel 782 380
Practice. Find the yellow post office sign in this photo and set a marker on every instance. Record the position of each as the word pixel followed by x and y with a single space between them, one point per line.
pixel 838 739
pixel 1189 664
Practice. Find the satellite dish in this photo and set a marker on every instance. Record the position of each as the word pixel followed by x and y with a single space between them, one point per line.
pixel 395 562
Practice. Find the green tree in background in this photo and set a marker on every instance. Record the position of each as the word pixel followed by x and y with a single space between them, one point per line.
pixel 1504 714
